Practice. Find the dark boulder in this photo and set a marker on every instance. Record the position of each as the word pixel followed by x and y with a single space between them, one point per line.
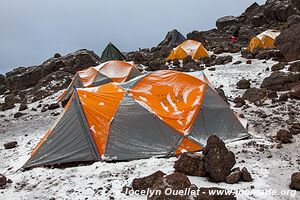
pixel 254 94
pixel 234 177
pixel 296 4
pixel 57 55
pixel 278 67
pixel 286 42
pixel 50 84
pixel 278 10
pixel 246 176
pixel 295 129
pixel 237 62
pixel 175 181
pixel 284 136
pixel 18 115
pixel 10 145
pixel 53 106
pixel 280 81
pixel 2 79
pixel 3 180
pixel 23 106
pixel 218 159
pixel 295 181
pixel 147 182
pixel 295 67
pixel 196 35
pixel 243 84
pixel 227 21
pixel 2 89
pixel 190 164
pixel 295 92
pixel 25 80
pixel 9 102
pixel 283 97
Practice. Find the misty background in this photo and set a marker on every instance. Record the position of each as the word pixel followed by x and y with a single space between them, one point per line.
pixel 32 31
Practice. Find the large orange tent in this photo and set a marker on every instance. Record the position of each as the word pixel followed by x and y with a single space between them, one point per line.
pixel 188 48
pixel 111 71
pixel 160 114
pixel 265 40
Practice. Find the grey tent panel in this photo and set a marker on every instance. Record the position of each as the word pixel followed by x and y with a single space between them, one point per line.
pixel 101 80
pixel 69 141
pixel 131 83
pixel 76 83
pixel 134 73
pixel 216 118
pixel 136 133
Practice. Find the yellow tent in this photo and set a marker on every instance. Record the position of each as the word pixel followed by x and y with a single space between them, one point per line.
pixel 188 48
pixel 265 40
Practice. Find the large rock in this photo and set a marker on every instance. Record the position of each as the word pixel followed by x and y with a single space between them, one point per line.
pixel 9 102
pixel 10 145
pixel 148 181
pixel 296 4
pixel 2 79
pixel 254 94
pixel 190 164
pixel 227 21
pixel 295 92
pixel 196 35
pixel 175 181
pixel 284 136
pixel 295 129
pixel 218 159
pixel 49 85
pixel 246 176
pixel 23 106
pixel 243 84
pixel 3 180
pixel 286 42
pixel 234 177
pixel 2 89
pixel 25 78
pixel 278 10
pixel 295 181
pixel 295 67
pixel 280 81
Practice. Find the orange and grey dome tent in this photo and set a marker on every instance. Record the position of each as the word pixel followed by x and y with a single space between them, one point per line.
pixel 188 48
pixel 265 40
pixel 160 114
pixel 111 71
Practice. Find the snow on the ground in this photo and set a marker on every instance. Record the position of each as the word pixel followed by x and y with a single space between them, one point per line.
pixel 271 167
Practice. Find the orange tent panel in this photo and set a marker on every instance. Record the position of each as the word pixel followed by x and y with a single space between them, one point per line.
pixel 189 47
pixel 118 71
pixel 88 76
pixel 187 145
pixel 174 97
pixel 100 105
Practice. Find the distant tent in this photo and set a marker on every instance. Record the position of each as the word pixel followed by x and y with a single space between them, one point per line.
pixel 111 71
pixel 112 53
pixel 160 114
pixel 188 48
pixel 265 40
pixel 178 38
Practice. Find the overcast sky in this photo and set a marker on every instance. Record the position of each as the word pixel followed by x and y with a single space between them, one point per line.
pixel 31 31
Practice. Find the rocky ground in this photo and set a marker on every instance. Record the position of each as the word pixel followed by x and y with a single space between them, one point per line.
pixel 262 87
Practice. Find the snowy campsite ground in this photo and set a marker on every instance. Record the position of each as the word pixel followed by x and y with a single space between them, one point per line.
pixel 270 166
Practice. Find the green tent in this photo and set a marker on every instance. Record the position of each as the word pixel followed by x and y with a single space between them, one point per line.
pixel 112 53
